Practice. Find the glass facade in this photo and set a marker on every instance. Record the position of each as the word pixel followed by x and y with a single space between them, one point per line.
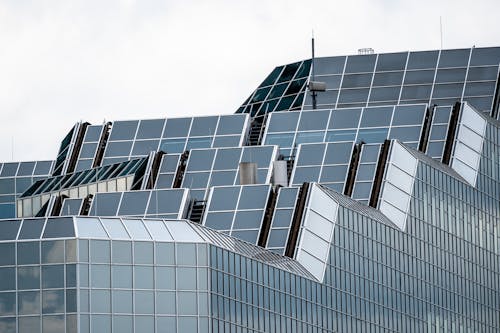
pixel 378 211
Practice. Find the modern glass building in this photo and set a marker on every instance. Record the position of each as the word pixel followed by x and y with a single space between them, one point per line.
pixel 347 194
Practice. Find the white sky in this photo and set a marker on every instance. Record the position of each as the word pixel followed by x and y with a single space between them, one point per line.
pixel 66 61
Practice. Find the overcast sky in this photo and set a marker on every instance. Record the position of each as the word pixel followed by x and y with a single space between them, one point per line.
pixel 66 61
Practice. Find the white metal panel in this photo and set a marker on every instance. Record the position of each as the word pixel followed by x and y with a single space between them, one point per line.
pixel 469 144
pixel 394 214
pixel 320 217
pixel 405 181
pixel 397 187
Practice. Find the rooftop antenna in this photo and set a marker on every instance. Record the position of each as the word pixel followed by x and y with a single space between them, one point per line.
pixel 313 74
pixel 314 86
pixel 12 148
pixel 441 30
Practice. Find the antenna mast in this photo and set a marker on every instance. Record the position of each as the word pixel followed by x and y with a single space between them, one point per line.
pixel 313 76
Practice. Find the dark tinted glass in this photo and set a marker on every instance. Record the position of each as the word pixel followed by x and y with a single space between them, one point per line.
pixel 253 197
pixel 377 116
pixel 306 174
pixel 289 72
pixel 88 150
pixel 331 65
pixel 230 124
pixel 28 253
pixel 360 63
pixel 227 159
pixel 220 178
pixel 203 126
pixel 365 172
pixel 260 155
pixel 121 148
pixel 335 173
pixel 454 58
pixel 408 115
pixel 313 120
pixel 8 251
pixel 287 197
pixel 450 75
pixel 105 204
pixel 93 133
pixel 447 90
pixel 353 96
pixel 43 167
pixel 283 122
pixel 348 118
pixel 26 169
pixel 71 207
pixel 226 141
pixel 357 80
pixel 224 198
pixel 311 154
pixel 338 153
pixel 385 94
pixel 9 169
pixel 196 180
pixel 219 221
pixel 416 92
pixel 482 73
pixel 169 163
pixel 423 60
pixel 272 77
pixel 200 160
pixel 405 134
pixel 177 127
pixel 419 77
pixel 377 135
pixel 391 61
pixel 248 219
pixel 485 56
pixel 9 229
pixel 145 147
pixel 149 129
pixel 134 203
pixel 59 227
pixel 32 229
pixel 388 79
pixel 168 201
pixel 370 153
pixel 123 130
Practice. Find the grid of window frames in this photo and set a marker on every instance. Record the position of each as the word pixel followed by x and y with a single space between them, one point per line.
pixel 282 219
pixel 282 90
pixel 413 281
pixel 143 286
pixel 65 150
pixel 326 163
pixel 89 147
pixel 168 169
pixel 17 177
pixel 488 177
pixel 134 138
pixel 370 125
pixel 109 178
pixel 38 286
pixel 434 77
pixel 71 207
pixel 365 174
pixel 247 294
pixel 439 131
pixel 237 210
pixel 220 166
pixel 167 203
